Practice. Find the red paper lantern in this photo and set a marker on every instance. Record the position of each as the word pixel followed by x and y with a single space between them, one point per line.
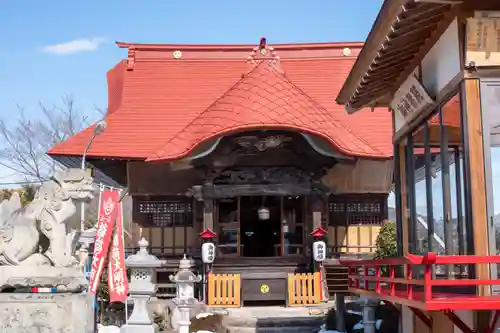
pixel 207 234
pixel 319 232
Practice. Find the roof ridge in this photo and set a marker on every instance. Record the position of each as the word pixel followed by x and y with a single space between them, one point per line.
pixel 279 72
pixel 218 47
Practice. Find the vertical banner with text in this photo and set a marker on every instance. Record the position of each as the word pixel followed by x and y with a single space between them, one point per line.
pixel 108 209
pixel 117 272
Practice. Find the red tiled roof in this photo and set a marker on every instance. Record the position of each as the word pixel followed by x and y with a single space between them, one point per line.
pixel 264 98
pixel 162 108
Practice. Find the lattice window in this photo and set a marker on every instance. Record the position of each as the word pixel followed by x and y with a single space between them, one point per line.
pixel 336 213
pixel 356 210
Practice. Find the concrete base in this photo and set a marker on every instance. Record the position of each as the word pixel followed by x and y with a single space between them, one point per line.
pixel 139 329
pixel 54 313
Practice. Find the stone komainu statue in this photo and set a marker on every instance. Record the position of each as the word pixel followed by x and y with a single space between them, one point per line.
pixel 39 233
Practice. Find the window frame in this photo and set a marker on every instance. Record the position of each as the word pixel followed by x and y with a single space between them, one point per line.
pixel 404 174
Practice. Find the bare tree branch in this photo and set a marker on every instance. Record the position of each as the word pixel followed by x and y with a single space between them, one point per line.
pixel 25 142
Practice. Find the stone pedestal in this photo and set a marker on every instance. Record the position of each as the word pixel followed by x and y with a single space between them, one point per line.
pixel 369 306
pixel 54 313
pixel 67 307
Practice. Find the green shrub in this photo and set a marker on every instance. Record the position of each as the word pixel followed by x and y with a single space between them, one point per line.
pixel 387 244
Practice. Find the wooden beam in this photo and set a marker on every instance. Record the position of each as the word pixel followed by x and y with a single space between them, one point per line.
pixel 426 47
pixel 374 92
pixel 382 79
pixel 411 36
pixel 430 41
pixel 381 28
pixel 383 64
pixel 227 191
pixel 420 15
pixel 397 51
pixel 474 145
pixel 208 209
pixel 411 49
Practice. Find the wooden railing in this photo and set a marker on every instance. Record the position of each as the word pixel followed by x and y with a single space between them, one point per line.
pixel 304 289
pixel 224 290
pixel 359 250
pixel 394 280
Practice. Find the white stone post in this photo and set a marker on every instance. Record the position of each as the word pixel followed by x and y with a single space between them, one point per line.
pixel 369 306
pixel 141 288
pixel 184 281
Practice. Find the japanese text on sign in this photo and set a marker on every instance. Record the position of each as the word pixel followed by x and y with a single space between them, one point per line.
pixel 410 99
pixel 107 213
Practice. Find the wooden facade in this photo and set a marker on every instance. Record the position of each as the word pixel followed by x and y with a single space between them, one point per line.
pixel 224 189
pixel 283 180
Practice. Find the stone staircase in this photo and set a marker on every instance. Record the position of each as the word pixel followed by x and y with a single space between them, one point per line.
pixel 274 325
pixel 336 279
pixel 274 319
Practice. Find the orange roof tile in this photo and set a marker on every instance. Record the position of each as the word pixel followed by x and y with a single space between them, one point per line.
pixel 264 98
pixel 161 108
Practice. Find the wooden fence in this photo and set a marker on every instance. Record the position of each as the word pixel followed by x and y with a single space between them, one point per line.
pixel 224 290
pixel 304 289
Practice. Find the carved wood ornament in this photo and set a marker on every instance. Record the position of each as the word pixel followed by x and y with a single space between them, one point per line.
pixel 263 175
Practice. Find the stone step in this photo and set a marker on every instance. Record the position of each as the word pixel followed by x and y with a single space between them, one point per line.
pixel 281 322
pixel 273 319
pixel 287 329
pixel 274 325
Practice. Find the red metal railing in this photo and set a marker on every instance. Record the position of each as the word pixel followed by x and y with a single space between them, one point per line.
pixel 392 280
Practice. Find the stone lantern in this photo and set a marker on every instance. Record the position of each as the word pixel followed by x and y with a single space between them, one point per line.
pixel 86 238
pixel 184 280
pixel 141 288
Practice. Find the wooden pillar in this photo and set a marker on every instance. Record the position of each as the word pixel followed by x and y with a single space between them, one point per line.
pixel 208 207
pixel 404 199
pixel 471 97
pixel 440 323
pixel 317 205
pixel 475 175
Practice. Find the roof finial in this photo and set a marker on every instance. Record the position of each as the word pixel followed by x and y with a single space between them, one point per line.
pixel 263 52
pixel 262 43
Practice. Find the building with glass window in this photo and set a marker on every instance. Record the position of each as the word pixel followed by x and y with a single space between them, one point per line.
pixel 436 64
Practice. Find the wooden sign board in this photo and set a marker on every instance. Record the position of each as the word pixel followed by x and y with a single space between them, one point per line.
pixel 409 101
pixel 162 212
pixel 483 44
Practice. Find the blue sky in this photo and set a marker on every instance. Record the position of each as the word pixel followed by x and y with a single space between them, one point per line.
pixel 52 48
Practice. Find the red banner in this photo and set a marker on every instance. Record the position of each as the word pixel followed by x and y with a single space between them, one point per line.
pixel 117 273
pixel 108 207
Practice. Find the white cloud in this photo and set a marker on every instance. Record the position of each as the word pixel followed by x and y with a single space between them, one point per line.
pixel 75 46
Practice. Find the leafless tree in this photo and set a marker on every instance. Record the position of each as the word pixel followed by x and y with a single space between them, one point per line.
pixel 26 141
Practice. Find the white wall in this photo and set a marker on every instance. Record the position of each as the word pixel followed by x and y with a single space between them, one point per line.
pixel 442 63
